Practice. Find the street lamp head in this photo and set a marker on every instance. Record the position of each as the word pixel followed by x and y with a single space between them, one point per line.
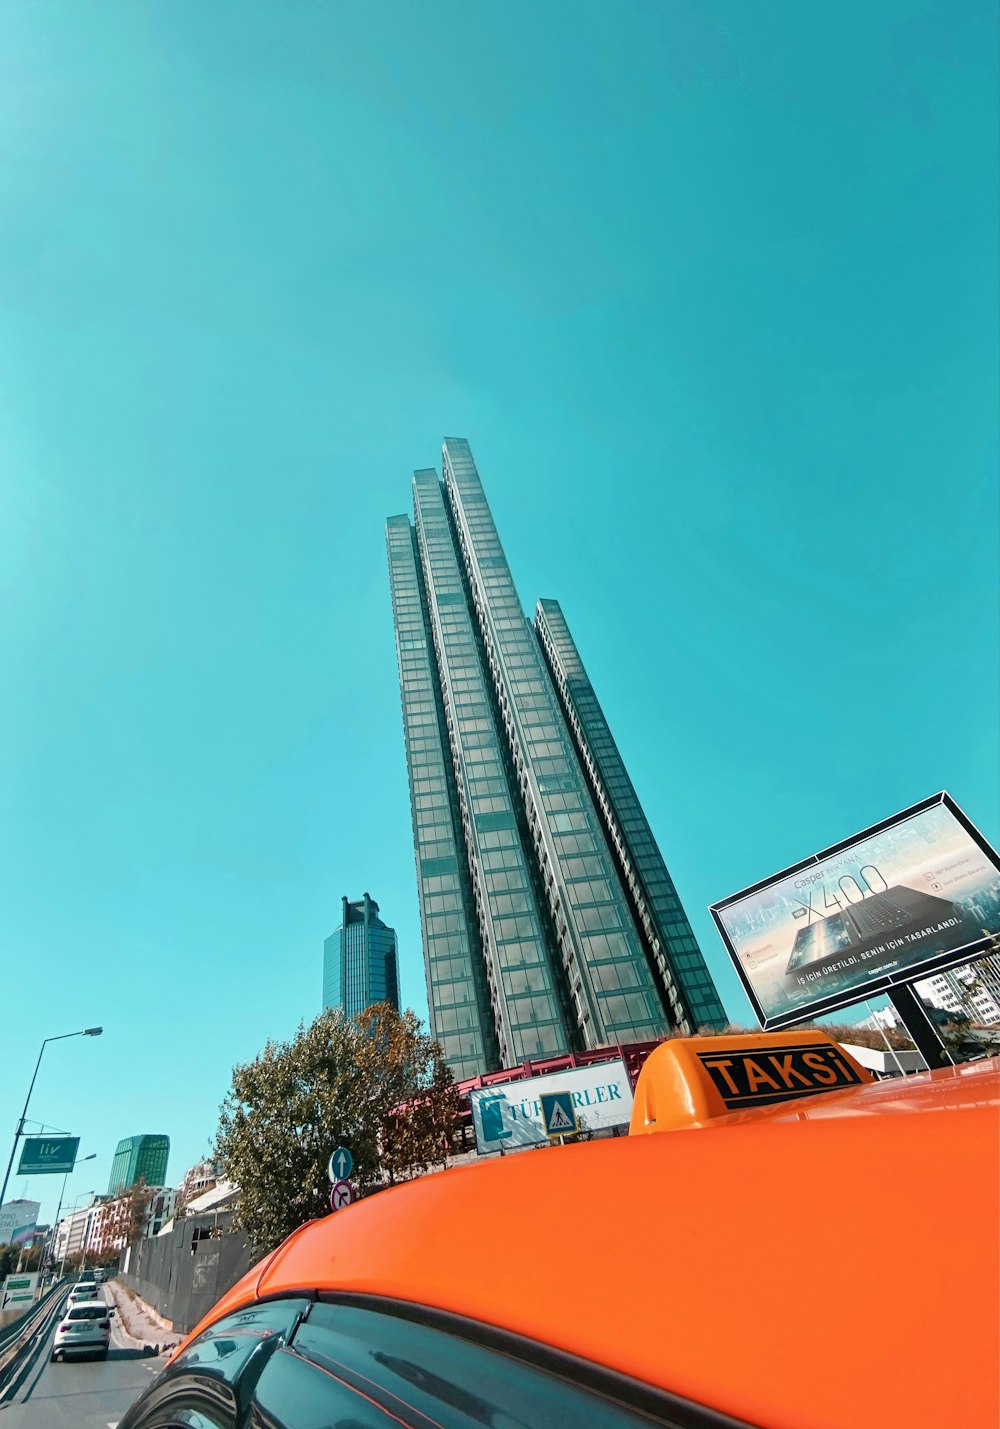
pixel 91 1157
pixel 92 1031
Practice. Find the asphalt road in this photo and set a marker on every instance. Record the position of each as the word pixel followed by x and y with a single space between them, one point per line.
pixel 80 1393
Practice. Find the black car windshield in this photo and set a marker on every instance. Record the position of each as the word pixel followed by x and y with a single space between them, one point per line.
pixel 88 1312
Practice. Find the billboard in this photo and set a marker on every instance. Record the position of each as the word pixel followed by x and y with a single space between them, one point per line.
pixel 18 1220
pixel 894 904
pixel 509 1116
pixel 46 1155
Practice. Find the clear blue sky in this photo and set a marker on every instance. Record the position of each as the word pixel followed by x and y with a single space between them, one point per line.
pixel 711 289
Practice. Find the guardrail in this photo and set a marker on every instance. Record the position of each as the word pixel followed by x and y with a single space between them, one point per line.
pixel 15 1337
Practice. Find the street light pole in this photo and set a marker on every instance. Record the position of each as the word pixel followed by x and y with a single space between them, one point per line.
pixel 62 1197
pixel 66 1244
pixel 86 1032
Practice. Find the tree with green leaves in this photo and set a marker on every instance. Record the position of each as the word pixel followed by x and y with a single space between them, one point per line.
pixel 375 1084
pixel 133 1211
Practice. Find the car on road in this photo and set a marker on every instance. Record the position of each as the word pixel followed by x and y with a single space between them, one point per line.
pixel 78 1293
pixel 84 1328
pixel 780 1242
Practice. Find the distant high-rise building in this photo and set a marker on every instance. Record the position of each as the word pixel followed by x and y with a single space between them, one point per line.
pixel 972 990
pixel 139 1158
pixel 360 961
pixel 549 920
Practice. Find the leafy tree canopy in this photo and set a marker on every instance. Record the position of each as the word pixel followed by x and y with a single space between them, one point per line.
pixel 375 1084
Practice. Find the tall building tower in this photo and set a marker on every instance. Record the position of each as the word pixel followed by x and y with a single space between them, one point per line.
pixel 139 1158
pixel 666 932
pixel 359 960
pixel 543 929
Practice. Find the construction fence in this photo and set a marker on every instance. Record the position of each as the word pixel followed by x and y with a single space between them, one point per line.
pixel 182 1274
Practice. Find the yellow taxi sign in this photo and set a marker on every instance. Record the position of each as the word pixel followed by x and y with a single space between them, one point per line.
pixel 689 1081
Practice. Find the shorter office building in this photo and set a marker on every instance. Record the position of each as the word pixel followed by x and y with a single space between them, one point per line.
pixel 139 1158
pixel 360 965
pixel 972 991
pixel 72 1234
pixel 112 1226
pixel 197 1179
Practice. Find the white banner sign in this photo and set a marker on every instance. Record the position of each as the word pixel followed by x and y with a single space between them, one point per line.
pixel 509 1116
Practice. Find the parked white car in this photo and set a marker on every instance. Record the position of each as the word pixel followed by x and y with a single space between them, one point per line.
pixel 85 1328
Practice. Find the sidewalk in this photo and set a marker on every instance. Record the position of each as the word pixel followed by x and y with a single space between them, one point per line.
pixel 137 1324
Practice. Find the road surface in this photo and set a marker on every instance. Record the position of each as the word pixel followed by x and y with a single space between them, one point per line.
pixel 80 1393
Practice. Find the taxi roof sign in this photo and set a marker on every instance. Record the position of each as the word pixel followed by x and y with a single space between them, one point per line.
pixel 689 1081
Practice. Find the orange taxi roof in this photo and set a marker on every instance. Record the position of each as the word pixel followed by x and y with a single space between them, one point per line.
pixel 831 1262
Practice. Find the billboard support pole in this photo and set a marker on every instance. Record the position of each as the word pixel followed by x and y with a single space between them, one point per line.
pixel 925 1035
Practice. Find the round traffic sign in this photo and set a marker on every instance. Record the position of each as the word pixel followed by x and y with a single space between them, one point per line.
pixel 341 1195
pixel 340 1165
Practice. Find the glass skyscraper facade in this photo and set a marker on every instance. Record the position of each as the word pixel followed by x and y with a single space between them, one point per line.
pixel 139 1158
pixel 360 964
pixel 666 931
pixel 535 939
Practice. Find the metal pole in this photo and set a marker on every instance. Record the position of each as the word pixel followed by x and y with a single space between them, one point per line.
pixel 55 1223
pixel 889 1047
pixel 69 1233
pixel 24 1113
pixel 84 1032
pixel 62 1197
pixel 927 1039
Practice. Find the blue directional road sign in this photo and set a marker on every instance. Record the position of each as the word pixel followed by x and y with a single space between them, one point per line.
pixel 558 1113
pixel 341 1164
pixel 341 1195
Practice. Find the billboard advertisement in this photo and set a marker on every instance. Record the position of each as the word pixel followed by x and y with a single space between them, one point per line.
pixel 18 1220
pixel 510 1116
pixel 48 1155
pixel 894 904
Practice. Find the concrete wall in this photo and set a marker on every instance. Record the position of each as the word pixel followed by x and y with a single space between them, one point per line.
pixel 183 1274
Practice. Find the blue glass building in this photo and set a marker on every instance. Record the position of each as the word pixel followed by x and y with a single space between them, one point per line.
pixel 549 921
pixel 139 1158
pixel 360 964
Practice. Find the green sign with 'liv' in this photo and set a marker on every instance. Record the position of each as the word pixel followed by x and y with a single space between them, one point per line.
pixel 48 1155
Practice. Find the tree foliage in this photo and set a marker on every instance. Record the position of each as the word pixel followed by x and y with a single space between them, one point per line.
pixel 135 1203
pixel 375 1084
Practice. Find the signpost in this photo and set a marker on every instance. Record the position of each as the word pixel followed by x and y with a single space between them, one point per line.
pixel 339 1167
pixel 558 1114
pixel 341 1164
pixel 341 1195
pixel 19 1292
pixel 48 1155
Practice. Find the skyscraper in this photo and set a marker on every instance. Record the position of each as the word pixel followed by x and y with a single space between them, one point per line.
pixel 359 960
pixel 549 920
pixel 666 932
pixel 139 1158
